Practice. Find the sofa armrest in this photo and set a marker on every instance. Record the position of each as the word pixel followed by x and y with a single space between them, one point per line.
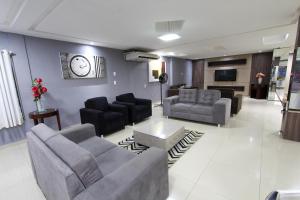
pixel 79 132
pixel 140 101
pixel 130 105
pixel 145 102
pixel 167 103
pixel 92 116
pixel 236 104
pixel 121 109
pixel 143 177
pixel 221 111
pixel 172 99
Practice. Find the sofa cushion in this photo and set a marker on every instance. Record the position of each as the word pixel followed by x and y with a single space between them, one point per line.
pixel 78 159
pixel 208 97
pixel 201 109
pixel 97 145
pixel 129 97
pixel 113 159
pixel 112 116
pixel 141 108
pixel 181 107
pixel 43 132
pixel 98 103
pixel 188 95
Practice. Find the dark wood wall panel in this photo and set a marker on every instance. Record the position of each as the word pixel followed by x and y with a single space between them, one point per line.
pixel 261 62
pixel 297 43
pixel 235 88
pixel 198 74
pixel 227 62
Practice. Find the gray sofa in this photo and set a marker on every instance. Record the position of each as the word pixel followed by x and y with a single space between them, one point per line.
pixel 75 164
pixel 198 105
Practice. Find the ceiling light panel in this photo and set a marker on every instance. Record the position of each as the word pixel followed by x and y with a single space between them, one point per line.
pixel 169 26
pixel 169 37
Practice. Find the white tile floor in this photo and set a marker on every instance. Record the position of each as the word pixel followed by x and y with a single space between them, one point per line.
pixel 243 161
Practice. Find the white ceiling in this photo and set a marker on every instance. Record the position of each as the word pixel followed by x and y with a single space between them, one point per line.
pixel 212 28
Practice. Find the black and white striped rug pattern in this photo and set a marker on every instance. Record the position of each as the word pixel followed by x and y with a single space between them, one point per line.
pixel 174 154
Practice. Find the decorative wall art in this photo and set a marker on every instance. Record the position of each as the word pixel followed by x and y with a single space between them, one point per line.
pixel 78 66
pixel 155 69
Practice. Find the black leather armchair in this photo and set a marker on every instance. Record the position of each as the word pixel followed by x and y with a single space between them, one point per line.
pixel 236 100
pixel 106 118
pixel 138 109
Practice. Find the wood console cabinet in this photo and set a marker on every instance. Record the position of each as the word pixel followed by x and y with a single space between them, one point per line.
pixel 259 91
pixel 290 128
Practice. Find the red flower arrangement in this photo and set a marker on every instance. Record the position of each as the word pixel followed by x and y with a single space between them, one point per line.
pixel 38 89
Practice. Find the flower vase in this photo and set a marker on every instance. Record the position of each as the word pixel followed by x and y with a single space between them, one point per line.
pixel 39 105
pixel 260 79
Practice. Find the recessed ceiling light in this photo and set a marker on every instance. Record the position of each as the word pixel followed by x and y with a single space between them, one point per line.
pixel 225 55
pixel 275 39
pixel 169 37
pixel 286 36
pixel 92 43
pixel 181 54
pixel 259 51
pixel 171 54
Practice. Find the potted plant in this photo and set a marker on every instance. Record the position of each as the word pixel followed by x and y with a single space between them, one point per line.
pixel 259 77
pixel 37 91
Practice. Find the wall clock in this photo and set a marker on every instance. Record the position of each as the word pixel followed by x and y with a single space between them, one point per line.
pixel 76 66
pixel 80 66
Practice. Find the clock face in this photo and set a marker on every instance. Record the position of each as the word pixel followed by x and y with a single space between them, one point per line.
pixel 80 66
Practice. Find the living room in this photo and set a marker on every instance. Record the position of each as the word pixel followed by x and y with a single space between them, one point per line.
pixel 162 106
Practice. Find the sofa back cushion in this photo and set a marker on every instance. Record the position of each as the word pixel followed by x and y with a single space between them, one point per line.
pixel 188 95
pixel 208 97
pixel 78 159
pixel 54 177
pixel 98 103
pixel 128 97
pixel 43 132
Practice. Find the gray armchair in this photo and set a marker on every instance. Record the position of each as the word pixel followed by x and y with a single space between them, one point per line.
pixel 198 105
pixel 75 164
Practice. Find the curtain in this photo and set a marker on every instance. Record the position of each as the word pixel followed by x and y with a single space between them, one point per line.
pixel 10 109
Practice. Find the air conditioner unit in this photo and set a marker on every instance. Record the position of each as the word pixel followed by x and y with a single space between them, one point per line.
pixel 140 56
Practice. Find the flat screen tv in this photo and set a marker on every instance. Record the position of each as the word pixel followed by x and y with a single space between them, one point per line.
pixel 225 75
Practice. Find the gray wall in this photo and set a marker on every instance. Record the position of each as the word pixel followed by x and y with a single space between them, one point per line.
pixel 181 71
pixel 69 95
pixel 140 84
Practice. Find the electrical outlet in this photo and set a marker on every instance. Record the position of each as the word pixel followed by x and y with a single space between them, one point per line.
pixel 145 85
pixel 115 73
pixel 115 82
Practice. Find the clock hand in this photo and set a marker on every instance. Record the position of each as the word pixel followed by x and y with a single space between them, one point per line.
pixel 82 66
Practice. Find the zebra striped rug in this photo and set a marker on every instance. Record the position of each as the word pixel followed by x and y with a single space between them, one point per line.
pixel 174 154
